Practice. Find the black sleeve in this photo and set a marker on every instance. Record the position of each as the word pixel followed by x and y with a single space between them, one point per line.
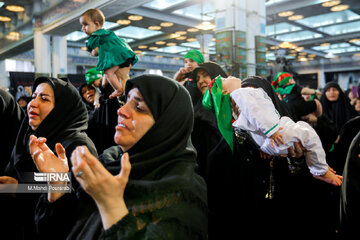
pixel 120 229
pixel 350 192
pixel 301 107
pixel 51 217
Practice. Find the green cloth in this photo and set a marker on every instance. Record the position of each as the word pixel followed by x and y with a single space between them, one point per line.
pixel 92 75
pixel 113 51
pixel 286 90
pixel 214 100
pixel 281 79
pixel 195 55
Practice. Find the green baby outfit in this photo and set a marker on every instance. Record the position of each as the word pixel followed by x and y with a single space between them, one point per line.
pixel 113 51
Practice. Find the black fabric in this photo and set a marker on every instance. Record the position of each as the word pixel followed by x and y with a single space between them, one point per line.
pixel 296 196
pixel 341 148
pixel 212 68
pixel 89 106
pixel 195 93
pixel 339 111
pixel 350 193
pixel 104 120
pixel 297 104
pixel 258 82
pixel 163 184
pixel 206 135
pixel 65 124
pixel 327 132
pixel 11 116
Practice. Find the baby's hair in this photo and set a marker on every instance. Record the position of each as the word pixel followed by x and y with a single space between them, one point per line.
pixel 95 15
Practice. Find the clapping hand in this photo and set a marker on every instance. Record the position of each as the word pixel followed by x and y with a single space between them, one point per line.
pixel 107 190
pixel 46 161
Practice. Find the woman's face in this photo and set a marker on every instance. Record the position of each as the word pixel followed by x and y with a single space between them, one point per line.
pixel 134 120
pixel 357 105
pixel 202 80
pixel 42 103
pixel 190 64
pixel 88 93
pixel 332 94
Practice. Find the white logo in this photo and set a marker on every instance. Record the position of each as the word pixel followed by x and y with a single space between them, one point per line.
pixel 52 177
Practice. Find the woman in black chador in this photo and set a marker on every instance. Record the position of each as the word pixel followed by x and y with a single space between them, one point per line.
pixel 56 113
pixel 146 187
pixel 336 106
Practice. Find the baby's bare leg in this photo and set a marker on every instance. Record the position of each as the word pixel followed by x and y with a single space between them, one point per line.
pixel 123 75
pixel 114 81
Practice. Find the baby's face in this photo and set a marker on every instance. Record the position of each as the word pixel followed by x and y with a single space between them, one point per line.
pixel 230 84
pixel 88 26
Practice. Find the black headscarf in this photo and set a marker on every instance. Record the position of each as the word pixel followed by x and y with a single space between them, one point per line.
pixel 258 82
pixel 163 168
pixel 169 137
pixel 212 68
pixel 65 124
pixel 339 111
pixel 89 106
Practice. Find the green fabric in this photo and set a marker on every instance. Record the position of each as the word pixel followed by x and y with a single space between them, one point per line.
pixel 113 51
pixel 195 55
pixel 286 90
pixel 271 129
pixel 281 79
pixel 215 100
pixel 92 75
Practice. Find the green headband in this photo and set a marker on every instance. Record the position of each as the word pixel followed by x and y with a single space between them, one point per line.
pixel 92 75
pixel 219 103
pixel 195 55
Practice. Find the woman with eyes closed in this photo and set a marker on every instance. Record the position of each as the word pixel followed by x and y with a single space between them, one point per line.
pixel 146 187
pixel 56 122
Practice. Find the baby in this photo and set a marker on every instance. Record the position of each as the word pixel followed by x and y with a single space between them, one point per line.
pixel 258 116
pixel 115 55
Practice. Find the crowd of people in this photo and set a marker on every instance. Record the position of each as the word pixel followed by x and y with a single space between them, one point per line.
pixel 201 156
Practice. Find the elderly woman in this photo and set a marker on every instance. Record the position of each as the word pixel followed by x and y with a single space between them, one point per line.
pixel 146 187
pixel 58 117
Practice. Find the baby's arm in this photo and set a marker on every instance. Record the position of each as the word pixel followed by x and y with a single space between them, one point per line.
pixel 95 51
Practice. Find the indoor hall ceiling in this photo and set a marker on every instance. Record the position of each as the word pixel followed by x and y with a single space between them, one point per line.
pixel 320 32
pixel 183 16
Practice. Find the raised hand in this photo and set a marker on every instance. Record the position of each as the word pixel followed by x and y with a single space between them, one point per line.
pixel 107 190
pixel 44 159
